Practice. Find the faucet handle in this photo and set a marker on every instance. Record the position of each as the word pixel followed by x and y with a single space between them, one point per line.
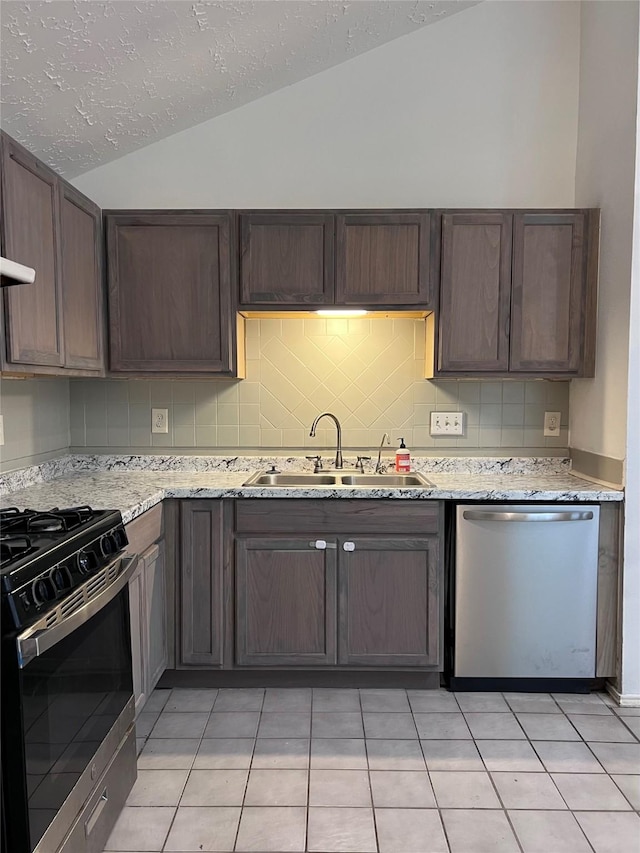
pixel 359 465
pixel 317 463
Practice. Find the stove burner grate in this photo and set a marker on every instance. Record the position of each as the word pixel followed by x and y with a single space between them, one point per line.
pixel 12 547
pixel 13 520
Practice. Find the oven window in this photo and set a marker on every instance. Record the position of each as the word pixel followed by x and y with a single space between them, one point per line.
pixel 72 695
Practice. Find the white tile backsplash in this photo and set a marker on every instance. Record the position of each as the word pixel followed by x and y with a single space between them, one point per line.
pixel 368 372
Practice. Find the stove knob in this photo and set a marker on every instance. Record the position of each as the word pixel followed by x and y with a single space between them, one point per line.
pixel 120 538
pixel 85 562
pixel 42 591
pixel 108 545
pixel 60 578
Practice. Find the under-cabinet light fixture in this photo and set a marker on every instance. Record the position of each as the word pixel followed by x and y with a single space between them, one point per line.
pixel 355 312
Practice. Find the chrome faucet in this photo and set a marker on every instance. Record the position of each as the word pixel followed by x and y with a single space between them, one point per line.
pixel 380 468
pixel 338 461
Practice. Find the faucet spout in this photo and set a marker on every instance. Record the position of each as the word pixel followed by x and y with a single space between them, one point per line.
pixel 338 461
pixel 380 468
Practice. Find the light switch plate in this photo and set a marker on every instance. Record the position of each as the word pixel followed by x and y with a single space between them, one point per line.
pixel 159 420
pixel 1 429
pixel 447 423
pixel 552 424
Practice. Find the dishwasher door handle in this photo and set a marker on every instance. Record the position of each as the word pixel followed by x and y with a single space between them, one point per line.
pixel 487 515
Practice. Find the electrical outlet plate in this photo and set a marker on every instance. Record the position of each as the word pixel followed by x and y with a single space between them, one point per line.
pixel 447 423
pixel 552 424
pixel 159 420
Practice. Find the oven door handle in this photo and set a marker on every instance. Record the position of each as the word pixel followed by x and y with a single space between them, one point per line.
pixel 36 640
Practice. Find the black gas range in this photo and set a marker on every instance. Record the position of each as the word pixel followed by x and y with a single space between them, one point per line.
pixel 68 744
pixel 46 555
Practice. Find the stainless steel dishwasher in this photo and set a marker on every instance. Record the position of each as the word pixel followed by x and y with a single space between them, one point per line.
pixel 525 593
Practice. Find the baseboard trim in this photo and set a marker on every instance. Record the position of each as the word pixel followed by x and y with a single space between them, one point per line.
pixel 624 700
pixel 421 680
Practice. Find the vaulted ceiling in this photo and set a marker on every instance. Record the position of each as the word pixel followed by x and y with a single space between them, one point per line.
pixel 85 81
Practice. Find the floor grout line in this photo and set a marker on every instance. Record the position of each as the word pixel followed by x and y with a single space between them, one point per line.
pixel 369 741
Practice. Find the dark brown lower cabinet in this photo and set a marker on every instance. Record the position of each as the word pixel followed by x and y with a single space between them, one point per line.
pixel 310 592
pixel 200 584
pixel 156 598
pixel 137 616
pixel 148 618
pixel 389 602
pixel 285 602
pixel 148 603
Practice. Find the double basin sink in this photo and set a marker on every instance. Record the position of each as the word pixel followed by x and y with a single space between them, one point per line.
pixel 338 479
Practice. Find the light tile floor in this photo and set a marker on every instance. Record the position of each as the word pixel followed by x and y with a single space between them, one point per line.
pixel 394 771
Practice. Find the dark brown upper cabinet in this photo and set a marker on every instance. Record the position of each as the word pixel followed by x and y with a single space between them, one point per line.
pixel 475 291
pixel 55 325
pixel 301 260
pixel 383 259
pixel 549 293
pixel 30 225
pixel 170 302
pixel 517 293
pixel 82 290
pixel 286 259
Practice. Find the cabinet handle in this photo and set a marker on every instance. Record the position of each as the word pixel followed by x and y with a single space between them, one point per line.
pixel 349 546
pixel 568 515
pixel 322 545
pixel 93 818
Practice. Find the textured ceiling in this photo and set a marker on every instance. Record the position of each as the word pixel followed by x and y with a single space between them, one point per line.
pixel 85 81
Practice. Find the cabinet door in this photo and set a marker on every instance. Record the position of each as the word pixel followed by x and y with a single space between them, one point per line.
pixel 82 299
pixel 389 602
pixel 475 290
pixel 286 259
pixel 30 221
pixel 548 302
pixel 156 613
pixel 383 259
pixel 285 602
pixel 170 293
pixel 201 598
pixel 138 621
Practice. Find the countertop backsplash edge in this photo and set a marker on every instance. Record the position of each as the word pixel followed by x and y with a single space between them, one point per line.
pixel 62 466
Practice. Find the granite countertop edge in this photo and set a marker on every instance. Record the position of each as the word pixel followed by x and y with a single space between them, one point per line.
pixel 135 489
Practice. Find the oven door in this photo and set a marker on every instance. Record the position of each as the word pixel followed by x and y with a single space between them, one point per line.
pixel 72 708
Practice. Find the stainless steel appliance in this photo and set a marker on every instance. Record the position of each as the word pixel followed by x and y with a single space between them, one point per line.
pixel 525 593
pixel 68 742
pixel 13 273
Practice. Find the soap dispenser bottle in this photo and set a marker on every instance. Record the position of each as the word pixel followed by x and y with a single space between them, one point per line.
pixel 403 458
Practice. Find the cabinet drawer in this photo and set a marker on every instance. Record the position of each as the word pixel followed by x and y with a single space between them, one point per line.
pixel 144 530
pixel 379 516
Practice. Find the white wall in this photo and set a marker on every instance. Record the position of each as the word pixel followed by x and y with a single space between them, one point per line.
pixel 479 109
pixel 602 410
pixel 605 178
pixel 630 685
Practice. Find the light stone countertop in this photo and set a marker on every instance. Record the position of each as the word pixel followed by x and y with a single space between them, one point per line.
pixel 135 491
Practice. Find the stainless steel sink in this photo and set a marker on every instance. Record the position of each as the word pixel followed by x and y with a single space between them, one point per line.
pixel 292 479
pixel 393 481
pixel 298 480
